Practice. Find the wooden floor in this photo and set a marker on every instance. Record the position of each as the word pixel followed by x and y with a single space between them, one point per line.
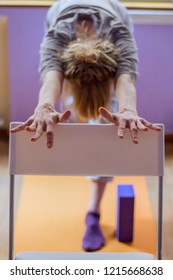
pixel 152 186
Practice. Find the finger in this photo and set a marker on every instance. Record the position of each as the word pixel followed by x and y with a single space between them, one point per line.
pixel 38 133
pixel 140 126
pixel 107 115
pixel 134 132
pixel 121 128
pixel 49 134
pixel 150 125
pixel 21 126
pixel 65 116
pixel 32 127
pixel 50 137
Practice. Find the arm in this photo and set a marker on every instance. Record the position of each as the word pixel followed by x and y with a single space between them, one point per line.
pixel 125 89
pixel 126 93
pixel 127 116
pixel 50 68
pixel 51 88
pixel 45 115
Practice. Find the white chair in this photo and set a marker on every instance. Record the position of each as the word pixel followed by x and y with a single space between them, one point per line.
pixel 87 149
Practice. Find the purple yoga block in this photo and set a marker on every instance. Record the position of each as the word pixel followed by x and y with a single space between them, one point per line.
pixel 125 212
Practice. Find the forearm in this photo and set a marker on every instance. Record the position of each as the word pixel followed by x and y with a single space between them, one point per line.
pixel 126 93
pixel 51 88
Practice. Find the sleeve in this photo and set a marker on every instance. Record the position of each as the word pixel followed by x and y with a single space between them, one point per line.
pixel 51 47
pixel 123 38
pixel 51 14
pixel 125 18
pixel 128 59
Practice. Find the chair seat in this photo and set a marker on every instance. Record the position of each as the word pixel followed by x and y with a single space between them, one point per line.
pixel 82 256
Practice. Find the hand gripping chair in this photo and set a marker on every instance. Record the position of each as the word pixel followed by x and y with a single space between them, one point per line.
pixel 82 150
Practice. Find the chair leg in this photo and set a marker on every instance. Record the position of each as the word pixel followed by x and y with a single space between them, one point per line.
pixel 160 210
pixel 11 218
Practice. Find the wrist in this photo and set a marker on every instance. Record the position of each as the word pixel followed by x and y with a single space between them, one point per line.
pixel 45 105
pixel 122 110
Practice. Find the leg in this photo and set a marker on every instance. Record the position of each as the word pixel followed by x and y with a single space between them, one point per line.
pixel 93 238
pixel 97 190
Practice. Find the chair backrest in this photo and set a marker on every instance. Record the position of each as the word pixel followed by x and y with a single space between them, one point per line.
pixel 87 149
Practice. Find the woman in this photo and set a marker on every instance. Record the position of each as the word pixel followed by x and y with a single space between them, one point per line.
pixel 88 57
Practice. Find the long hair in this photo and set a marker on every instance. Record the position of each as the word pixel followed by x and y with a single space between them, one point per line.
pixel 89 64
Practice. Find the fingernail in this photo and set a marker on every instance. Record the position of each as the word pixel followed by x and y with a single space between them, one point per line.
pixel 49 144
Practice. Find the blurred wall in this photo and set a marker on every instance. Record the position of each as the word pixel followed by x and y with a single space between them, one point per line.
pixel 4 74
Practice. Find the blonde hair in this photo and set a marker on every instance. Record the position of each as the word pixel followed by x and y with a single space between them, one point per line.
pixel 89 64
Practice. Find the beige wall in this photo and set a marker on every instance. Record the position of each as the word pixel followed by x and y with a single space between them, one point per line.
pixel 4 81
